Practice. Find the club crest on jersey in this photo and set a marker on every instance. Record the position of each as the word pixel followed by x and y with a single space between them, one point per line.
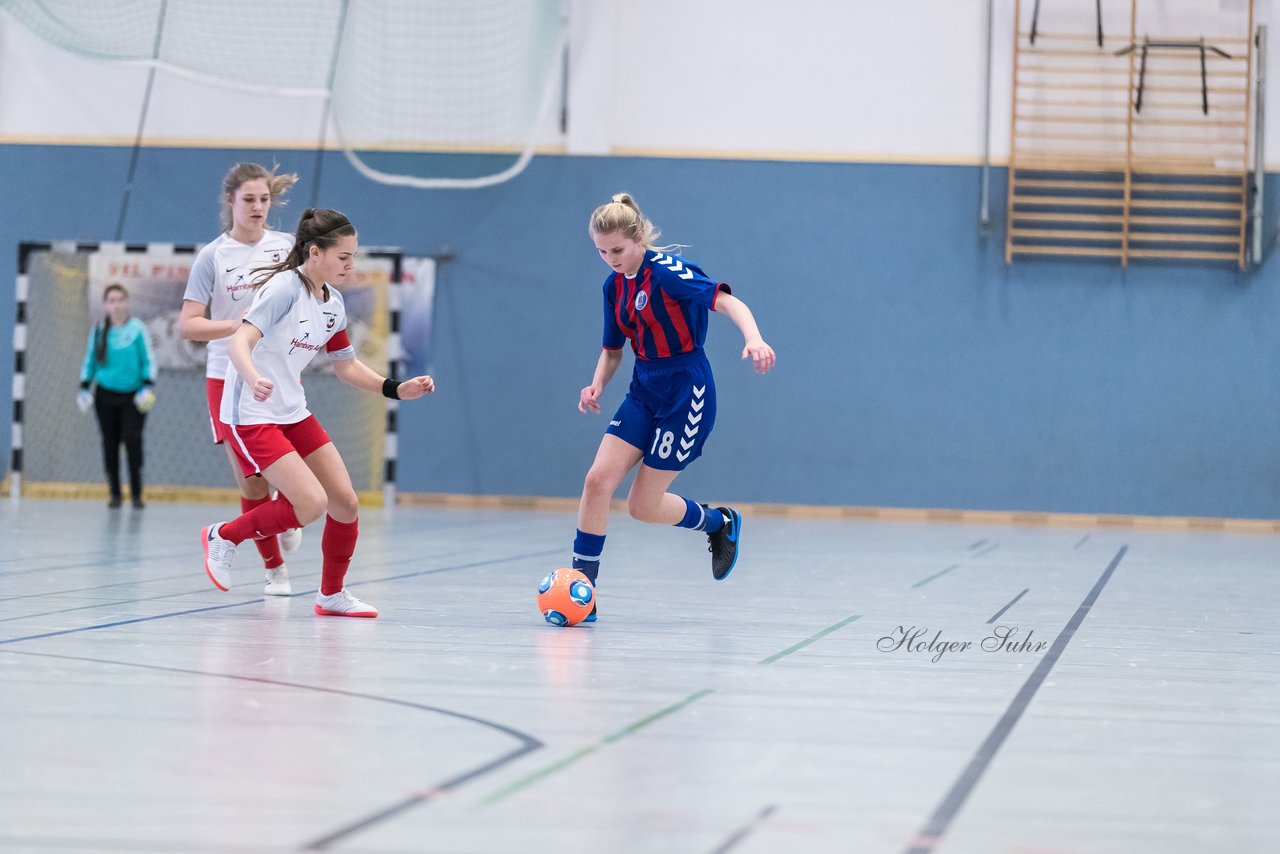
pixel 275 256
pixel 330 321
pixel 642 299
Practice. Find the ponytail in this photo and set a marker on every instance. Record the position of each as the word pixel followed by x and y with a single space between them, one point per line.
pixel 103 329
pixel 623 216
pixel 319 226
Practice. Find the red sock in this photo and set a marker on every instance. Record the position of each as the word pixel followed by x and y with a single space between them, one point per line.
pixel 265 520
pixel 268 547
pixel 337 545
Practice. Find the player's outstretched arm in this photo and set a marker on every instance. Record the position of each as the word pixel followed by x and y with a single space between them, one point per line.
pixel 356 373
pixel 761 354
pixel 606 367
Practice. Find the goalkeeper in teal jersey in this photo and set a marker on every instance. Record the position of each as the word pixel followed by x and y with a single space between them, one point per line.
pixel 118 359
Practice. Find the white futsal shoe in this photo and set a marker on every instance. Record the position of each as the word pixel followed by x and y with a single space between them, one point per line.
pixel 278 582
pixel 290 540
pixel 343 604
pixel 219 554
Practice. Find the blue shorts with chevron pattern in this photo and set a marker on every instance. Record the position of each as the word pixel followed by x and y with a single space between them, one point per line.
pixel 669 410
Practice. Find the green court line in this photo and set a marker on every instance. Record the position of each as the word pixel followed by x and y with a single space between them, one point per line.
pixel 935 575
pixel 811 639
pixel 572 758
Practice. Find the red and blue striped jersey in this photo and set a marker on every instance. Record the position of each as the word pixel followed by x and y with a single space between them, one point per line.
pixel 662 309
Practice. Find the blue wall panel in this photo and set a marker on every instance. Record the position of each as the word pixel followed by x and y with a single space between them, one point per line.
pixel 915 368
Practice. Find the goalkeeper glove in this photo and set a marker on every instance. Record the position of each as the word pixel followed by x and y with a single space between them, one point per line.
pixel 144 399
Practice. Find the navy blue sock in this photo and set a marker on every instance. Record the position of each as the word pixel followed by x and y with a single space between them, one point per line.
pixel 587 549
pixel 700 517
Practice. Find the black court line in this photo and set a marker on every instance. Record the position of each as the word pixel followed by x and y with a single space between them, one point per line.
pixel 422 797
pixel 260 599
pixel 931 834
pixel 528 743
pixel 1013 602
pixel 745 830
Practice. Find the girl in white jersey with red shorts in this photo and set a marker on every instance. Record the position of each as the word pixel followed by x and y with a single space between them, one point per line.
pixel 295 314
pixel 219 286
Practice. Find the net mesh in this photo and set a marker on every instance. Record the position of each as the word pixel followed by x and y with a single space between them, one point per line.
pixel 64 300
pixel 403 76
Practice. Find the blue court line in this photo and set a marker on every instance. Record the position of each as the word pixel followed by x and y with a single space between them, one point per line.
pixel 127 622
pixel 89 565
pixel 1083 540
pixel 988 550
pixel 997 614
pixel 261 599
pixel 931 834
pixel 97 587
pixel 204 589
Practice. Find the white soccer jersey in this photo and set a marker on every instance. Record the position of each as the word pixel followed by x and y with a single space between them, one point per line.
pixel 221 276
pixel 295 326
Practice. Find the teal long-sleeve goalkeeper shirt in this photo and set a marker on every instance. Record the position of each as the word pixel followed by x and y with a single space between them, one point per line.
pixel 129 363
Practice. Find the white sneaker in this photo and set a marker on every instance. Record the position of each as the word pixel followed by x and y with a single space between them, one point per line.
pixel 278 581
pixel 218 556
pixel 343 604
pixel 290 540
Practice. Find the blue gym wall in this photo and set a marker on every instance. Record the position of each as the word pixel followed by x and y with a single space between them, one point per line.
pixel 915 369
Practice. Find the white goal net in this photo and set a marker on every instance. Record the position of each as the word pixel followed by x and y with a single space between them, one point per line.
pixel 425 93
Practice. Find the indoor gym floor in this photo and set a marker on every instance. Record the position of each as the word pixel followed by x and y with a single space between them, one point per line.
pixel 143 710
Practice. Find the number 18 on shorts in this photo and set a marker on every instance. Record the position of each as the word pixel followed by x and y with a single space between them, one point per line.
pixel 668 418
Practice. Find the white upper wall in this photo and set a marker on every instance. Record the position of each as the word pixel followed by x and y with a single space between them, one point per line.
pixel 826 79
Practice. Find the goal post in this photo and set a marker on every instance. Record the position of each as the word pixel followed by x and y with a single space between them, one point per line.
pixel 56 450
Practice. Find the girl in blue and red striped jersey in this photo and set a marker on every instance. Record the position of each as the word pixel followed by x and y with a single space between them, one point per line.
pixel 660 302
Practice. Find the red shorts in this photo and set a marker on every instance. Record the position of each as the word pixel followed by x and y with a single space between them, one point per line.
pixel 259 445
pixel 213 391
